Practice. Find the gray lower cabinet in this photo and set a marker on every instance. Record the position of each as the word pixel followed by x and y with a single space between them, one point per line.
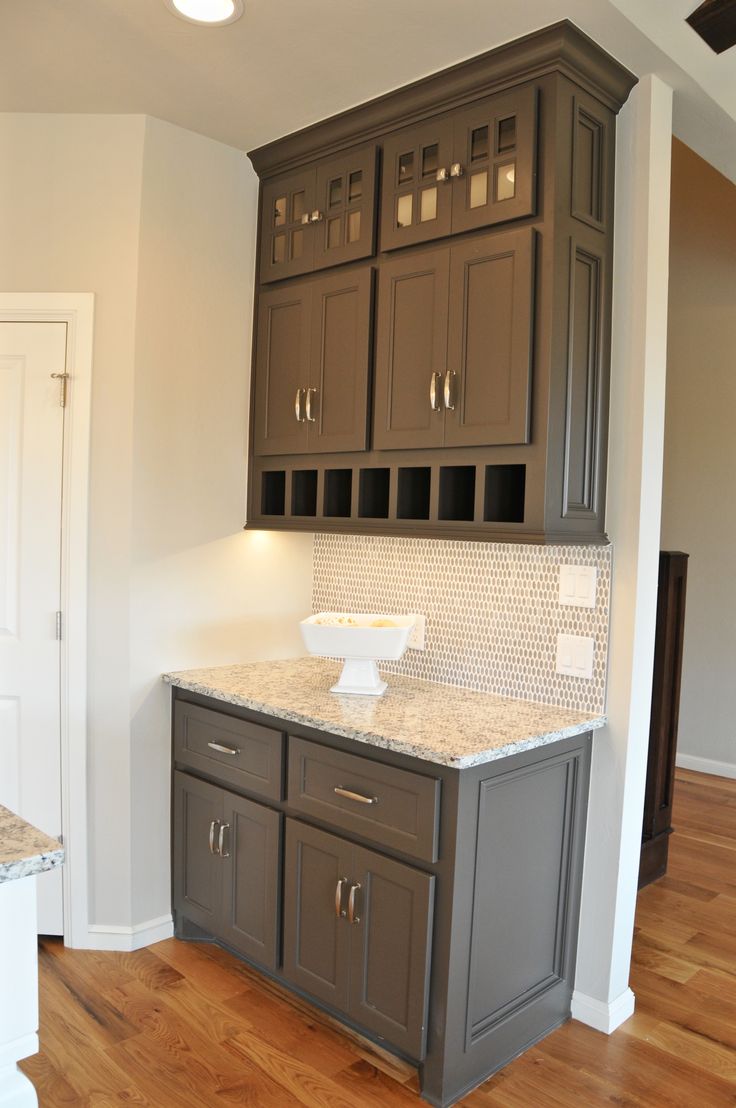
pixel 226 866
pixel 357 933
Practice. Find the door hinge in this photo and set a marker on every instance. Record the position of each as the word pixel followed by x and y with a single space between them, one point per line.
pixel 63 378
pixel 58 625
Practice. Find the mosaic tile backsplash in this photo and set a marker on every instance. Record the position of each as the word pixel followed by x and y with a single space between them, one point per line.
pixel 493 611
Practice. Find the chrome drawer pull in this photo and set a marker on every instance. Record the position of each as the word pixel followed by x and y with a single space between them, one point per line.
pixel 221 841
pixel 355 796
pixel 213 825
pixel 224 749
pixel 434 402
pixel 449 391
pixel 352 918
pixel 339 910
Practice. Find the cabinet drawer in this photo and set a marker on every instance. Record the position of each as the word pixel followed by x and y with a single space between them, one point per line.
pixel 394 807
pixel 232 750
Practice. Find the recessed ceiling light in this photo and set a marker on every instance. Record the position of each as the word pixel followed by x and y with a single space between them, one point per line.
pixel 213 12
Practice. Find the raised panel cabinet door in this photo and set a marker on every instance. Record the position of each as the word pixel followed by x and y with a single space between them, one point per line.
pixel 198 814
pixel 495 145
pixel 345 200
pixel 282 370
pixel 411 351
pixel 416 193
pixel 316 931
pixel 489 361
pixel 250 857
pixel 287 227
pixel 337 404
pixel 390 912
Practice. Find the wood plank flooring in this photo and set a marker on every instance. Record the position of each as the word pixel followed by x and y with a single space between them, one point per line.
pixel 183 1025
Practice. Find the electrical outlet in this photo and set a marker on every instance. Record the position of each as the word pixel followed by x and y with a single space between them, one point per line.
pixel 575 655
pixel 577 585
pixel 416 638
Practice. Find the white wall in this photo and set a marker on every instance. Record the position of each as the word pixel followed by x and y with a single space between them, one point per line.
pixel 700 452
pixel 158 224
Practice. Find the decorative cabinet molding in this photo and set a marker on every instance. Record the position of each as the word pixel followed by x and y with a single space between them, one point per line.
pixel 473 403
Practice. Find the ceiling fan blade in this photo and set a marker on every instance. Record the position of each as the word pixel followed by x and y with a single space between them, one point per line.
pixel 715 22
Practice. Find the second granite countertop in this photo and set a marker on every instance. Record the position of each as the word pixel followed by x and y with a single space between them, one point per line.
pixel 438 723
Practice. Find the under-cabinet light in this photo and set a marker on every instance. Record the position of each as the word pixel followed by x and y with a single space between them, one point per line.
pixel 213 12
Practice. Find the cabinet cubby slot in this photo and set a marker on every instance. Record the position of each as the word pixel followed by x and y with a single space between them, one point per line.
pixel 413 492
pixel 457 492
pixel 374 492
pixel 504 494
pixel 273 493
pixel 338 492
pixel 304 492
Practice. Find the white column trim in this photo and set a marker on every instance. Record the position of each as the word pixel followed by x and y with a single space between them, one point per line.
pixel 605 1017
pixel 111 937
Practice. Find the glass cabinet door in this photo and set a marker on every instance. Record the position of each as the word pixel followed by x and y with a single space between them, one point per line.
pixel 494 167
pixel 287 210
pixel 344 222
pixel 417 195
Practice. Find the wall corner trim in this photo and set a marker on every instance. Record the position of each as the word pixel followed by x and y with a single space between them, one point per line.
pixel 110 937
pixel 605 1017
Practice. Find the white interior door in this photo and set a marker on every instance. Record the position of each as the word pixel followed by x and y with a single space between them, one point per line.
pixel 31 445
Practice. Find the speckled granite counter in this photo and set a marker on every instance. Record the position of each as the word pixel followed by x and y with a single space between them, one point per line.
pixel 24 849
pixel 438 723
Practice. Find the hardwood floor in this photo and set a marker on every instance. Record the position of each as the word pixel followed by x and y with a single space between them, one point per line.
pixel 188 1026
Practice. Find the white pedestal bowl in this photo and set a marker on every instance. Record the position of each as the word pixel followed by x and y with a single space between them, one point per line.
pixel 362 639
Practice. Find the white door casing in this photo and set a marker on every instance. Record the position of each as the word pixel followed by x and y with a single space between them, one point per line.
pixel 31 434
pixel 75 313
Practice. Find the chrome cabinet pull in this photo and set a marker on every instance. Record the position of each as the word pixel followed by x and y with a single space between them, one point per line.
pixel 434 402
pixel 215 823
pixel 352 918
pixel 449 391
pixel 307 217
pixel 339 910
pixel 224 749
pixel 457 170
pixel 442 175
pixel 298 406
pixel 316 217
pixel 349 795
pixel 221 840
pixel 308 406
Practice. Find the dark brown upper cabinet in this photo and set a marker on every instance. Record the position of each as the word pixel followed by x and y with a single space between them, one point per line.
pixel 454 345
pixel 466 169
pixel 312 365
pixel 321 216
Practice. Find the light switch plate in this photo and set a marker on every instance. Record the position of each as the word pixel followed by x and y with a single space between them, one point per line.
pixel 416 638
pixel 575 655
pixel 578 585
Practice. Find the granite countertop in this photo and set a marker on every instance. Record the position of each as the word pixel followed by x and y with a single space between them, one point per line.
pixel 438 723
pixel 24 849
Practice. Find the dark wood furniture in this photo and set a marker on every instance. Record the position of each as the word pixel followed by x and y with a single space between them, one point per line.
pixel 434 909
pixel 472 402
pixel 668 642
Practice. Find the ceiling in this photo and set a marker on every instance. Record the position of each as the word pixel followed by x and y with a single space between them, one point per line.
pixel 288 63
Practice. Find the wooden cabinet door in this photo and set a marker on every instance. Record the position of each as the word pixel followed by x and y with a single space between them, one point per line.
pixel 337 412
pixel 411 351
pixel 415 205
pixel 345 200
pixel 287 242
pixel 250 873
pixel 495 143
pixel 316 936
pixel 490 340
pixel 391 939
pixel 282 370
pixel 197 870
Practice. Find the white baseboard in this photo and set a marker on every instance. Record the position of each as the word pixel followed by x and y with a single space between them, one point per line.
pixel 603 1017
pixel 705 765
pixel 102 937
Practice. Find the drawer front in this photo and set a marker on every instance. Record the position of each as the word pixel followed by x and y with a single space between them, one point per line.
pixel 394 807
pixel 232 750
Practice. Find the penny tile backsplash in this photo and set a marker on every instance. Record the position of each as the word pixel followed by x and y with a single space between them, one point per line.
pixel 493 611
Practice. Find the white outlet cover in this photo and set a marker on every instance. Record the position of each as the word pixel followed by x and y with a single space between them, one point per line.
pixel 575 655
pixel 416 638
pixel 578 585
